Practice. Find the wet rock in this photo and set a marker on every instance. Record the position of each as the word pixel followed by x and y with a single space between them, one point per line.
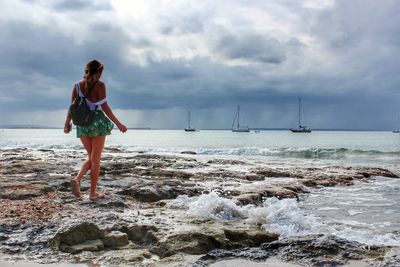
pixel 391 258
pixel 250 198
pixel 271 191
pixel 90 245
pixel 309 182
pixel 115 239
pixel 75 234
pixel 253 253
pixel 24 165
pixel 250 238
pixel 165 173
pixel 189 152
pixel 112 150
pixel 3 237
pixel 254 177
pixel 141 234
pixel 221 173
pixel 298 188
pixel 125 257
pixel 367 172
pixel 321 250
pixel 194 243
pixel 226 162
pixel 274 173
pixel 153 193
pixel 16 190
pixel 107 202
pixel 150 193
pixel 278 192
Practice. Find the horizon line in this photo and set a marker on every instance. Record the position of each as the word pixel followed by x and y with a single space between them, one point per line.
pixel 38 127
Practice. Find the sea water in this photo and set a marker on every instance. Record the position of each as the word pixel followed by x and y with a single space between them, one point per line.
pixel 365 212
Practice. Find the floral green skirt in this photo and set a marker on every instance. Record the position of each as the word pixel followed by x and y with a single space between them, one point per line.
pixel 100 126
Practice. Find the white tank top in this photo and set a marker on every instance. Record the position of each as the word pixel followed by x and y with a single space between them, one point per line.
pixel 91 105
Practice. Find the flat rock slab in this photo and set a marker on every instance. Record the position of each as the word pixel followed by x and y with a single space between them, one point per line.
pixel 23 190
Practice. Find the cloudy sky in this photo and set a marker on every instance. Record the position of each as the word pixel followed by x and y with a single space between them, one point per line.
pixel 163 58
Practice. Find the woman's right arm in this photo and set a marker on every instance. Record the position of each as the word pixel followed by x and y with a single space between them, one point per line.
pixel 67 124
pixel 106 108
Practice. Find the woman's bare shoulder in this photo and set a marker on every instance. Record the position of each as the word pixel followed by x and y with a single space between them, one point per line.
pixel 101 86
pixel 100 83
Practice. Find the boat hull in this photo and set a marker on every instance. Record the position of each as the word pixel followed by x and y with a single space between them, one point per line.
pixel 240 130
pixel 300 130
pixel 190 130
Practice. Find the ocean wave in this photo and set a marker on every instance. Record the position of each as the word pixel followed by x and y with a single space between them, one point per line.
pixel 290 152
pixel 280 216
pixel 318 153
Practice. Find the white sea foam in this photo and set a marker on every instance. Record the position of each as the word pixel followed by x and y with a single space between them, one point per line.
pixel 281 216
pixel 285 217
pixel 365 237
pixel 353 212
pixel 213 206
pixel 181 202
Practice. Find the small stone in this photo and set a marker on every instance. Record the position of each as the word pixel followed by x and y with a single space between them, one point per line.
pixel 76 234
pixel 115 239
pixel 141 234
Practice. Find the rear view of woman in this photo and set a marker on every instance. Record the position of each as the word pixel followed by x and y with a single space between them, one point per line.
pixel 94 135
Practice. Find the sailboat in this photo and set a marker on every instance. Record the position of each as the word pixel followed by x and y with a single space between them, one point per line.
pixel 302 128
pixel 398 125
pixel 189 128
pixel 236 126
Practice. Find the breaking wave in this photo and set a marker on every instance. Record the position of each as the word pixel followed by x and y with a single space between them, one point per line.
pixel 290 152
pixel 280 216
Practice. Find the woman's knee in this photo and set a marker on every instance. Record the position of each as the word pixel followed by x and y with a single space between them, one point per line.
pixel 88 161
pixel 94 161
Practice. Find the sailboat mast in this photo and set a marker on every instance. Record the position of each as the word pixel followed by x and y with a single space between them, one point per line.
pixel 189 119
pixel 238 116
pixel 299 112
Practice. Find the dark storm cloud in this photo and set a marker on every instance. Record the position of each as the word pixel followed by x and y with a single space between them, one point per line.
pixel 253 47
pixel 347 75
pixel 37 58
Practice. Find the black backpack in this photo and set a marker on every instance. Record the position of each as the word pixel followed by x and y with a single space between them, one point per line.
pixel 80 113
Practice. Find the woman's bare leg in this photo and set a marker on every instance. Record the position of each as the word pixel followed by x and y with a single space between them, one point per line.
pixel 87 143
pixel 97 148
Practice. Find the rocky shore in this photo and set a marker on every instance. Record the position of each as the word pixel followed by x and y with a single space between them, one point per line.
pixel 154 213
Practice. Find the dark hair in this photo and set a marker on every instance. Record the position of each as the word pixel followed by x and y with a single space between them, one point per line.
pixel 92 67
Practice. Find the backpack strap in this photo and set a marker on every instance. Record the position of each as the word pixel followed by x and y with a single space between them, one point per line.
pixel 90 89
pixel 78 90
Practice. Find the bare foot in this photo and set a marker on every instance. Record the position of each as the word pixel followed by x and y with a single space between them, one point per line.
pixel 97 196
pixel 75 188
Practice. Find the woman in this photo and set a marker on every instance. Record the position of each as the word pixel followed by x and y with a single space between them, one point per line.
pixel 94 135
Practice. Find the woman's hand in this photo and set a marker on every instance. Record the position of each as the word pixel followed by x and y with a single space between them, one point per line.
pixel 67 128
pixel 122 127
